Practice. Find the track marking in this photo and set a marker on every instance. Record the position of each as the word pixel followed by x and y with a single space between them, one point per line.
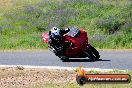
pixel 57 68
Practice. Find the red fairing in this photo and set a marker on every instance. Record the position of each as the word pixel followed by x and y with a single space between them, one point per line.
pixel 80 42
pixel 45 37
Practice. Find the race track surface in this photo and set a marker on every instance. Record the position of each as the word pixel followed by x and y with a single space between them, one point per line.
pixel 110 59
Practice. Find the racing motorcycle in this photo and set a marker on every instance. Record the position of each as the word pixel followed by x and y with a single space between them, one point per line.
pixel 77 45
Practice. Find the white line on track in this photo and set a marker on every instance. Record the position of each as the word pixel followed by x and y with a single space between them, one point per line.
pixel 58 68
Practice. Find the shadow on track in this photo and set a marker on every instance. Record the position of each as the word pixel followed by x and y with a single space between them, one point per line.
pixel 83 60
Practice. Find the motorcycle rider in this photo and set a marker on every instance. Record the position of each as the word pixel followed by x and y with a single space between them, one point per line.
pixel 55 40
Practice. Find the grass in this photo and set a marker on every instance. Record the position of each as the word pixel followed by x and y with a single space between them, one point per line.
pixel 108 22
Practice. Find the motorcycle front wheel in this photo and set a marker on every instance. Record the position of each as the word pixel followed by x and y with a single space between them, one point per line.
pixel 95 52
pixel 92 53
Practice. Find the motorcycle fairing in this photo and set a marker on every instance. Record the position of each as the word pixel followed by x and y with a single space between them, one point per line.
pixel 79 42
pixel 45 37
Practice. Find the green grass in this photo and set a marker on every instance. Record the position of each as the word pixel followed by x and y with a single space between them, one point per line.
pixel 21 40
pixel 108 22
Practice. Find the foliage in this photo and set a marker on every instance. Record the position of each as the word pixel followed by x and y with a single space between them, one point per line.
pixel 108 22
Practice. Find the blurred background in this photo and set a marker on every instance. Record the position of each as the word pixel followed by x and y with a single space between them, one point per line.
pixel 108 22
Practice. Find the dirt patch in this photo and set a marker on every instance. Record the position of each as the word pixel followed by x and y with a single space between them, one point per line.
pixel 13 77
pixel 6 3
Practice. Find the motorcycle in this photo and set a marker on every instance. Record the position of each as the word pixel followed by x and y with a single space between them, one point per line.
pixel 78 46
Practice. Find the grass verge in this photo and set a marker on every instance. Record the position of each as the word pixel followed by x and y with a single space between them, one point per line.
pixel 108 22
pixel 44 78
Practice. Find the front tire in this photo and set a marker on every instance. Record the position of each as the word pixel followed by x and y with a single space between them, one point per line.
pixel 95 52
pixel 92 53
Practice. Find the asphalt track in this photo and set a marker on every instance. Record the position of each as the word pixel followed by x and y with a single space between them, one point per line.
pixel 110 59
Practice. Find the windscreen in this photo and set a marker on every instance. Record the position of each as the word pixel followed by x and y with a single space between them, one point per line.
pixel 73 32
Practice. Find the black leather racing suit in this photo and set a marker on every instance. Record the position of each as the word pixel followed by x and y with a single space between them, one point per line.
pixel 57 43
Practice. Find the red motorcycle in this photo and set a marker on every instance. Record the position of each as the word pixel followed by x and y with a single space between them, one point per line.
pixel 78 47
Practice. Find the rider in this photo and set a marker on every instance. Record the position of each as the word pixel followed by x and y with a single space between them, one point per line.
pixel 55 40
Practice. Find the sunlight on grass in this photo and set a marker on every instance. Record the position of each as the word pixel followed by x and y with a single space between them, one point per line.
pixel 108 22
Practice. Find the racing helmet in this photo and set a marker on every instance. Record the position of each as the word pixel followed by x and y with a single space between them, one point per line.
pixel 55 35
pixel 55 31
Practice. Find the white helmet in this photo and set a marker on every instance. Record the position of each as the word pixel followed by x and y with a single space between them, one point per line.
pixel 55 31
